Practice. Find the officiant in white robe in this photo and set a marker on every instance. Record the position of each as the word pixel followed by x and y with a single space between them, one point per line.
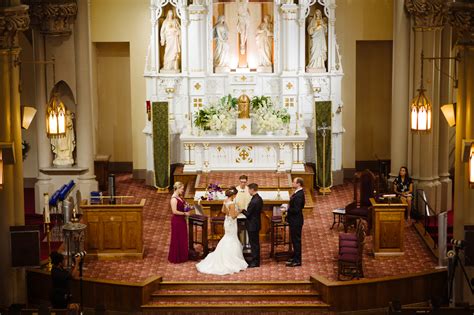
pixel 242 200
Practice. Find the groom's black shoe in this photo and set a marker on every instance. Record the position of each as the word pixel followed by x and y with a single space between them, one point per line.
pixel 254 265
pixel 294 264
pixel 289 261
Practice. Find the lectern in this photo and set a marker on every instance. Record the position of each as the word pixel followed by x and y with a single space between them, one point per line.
pixel 388 226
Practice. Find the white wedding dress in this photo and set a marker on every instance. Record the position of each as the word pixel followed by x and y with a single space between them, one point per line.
pixel 227 258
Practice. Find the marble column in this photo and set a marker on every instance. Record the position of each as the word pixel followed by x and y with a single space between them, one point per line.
pixel 197 38
pixel 463 194
pixel 445 97
pixel 85 147
pixel 13 19
pixel 400 88
pixel 290 34
pixel 43 184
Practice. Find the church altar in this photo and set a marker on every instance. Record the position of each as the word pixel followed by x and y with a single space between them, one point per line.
pixel 254 152
pixel 202 51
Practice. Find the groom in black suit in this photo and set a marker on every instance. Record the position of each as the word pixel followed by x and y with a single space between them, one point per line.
pixel 295 221
pixel 253 223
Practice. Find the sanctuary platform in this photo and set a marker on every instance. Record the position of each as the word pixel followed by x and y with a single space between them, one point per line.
pixel 313 286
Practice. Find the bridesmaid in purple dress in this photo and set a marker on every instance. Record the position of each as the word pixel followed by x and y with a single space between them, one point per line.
pixel 179 230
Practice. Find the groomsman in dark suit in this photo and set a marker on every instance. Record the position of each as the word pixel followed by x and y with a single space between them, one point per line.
pixel 295 221
pixel 252 223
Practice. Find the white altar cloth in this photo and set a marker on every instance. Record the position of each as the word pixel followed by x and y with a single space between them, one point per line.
pixel 256 152
pixel 266 195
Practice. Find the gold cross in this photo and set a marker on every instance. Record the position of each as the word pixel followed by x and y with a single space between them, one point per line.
pixel 243 127
pixel 289 86
pixel 197 86
pixel 243 78
pixel 244 154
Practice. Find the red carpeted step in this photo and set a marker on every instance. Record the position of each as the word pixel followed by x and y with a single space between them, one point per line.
pixel 198 296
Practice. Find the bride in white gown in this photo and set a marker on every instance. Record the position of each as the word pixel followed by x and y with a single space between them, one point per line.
pixel 227 258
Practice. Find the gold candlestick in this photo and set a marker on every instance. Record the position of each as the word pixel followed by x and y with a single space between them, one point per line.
pixel 278 192
pixel 48 239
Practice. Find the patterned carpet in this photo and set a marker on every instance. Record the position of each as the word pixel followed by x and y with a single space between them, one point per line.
pixel 319 247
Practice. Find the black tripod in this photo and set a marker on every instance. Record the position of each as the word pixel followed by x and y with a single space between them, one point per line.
pixel 453 262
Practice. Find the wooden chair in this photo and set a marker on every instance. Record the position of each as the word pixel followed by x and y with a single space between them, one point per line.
pixel 360 208
pixel 351 251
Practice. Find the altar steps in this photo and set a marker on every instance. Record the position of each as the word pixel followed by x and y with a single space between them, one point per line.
pixel 238 297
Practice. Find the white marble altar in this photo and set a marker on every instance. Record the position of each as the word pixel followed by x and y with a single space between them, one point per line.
pixel 282 195
pixel 288 82
pixel 255 152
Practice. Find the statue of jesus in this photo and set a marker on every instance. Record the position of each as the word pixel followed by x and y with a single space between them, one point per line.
pixel 243 23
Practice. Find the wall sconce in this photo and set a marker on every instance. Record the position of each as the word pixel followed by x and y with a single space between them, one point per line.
pixel 7 156
pixel 449 112
pixel 27 115
pixel 420 108
pixel 467 155
pixel 55 117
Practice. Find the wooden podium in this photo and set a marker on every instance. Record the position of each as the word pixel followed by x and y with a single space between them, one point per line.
pixel 114 230
pixel 388 227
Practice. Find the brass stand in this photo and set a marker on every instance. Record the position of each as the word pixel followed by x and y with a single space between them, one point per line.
pixel 324 190
pixel 48 266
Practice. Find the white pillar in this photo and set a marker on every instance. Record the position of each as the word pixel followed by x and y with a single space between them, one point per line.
pixel 197 38
pixel 290 36
pixel 85 148
pixel 43 184
pixel 445 97
pixel 185 55
pixel 400 88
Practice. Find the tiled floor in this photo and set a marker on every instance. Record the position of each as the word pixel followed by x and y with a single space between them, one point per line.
pixel 319 247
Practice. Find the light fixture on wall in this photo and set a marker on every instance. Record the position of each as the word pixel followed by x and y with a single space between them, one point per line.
pixel 420 108
pixel 467 155
pixel 27 115
pixel 449 112
pixel 55 117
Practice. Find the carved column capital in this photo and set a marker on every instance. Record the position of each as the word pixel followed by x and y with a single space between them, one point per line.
pixel 289 11
pixel 461 18
pixel 12 20
pixel 53 17
pixel 428 14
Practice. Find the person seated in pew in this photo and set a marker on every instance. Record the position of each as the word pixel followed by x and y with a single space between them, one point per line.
pixel 403 186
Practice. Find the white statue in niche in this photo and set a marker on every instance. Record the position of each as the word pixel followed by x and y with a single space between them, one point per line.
pixel 264 36
pixel 63 147
pixel 221 53
pixel 243 23
pixel 170 37
pixel 317 30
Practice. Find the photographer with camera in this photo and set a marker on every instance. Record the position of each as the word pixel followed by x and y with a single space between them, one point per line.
pixel 60 292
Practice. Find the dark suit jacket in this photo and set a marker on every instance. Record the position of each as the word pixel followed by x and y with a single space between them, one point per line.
pixel 253 213
pixel 295 210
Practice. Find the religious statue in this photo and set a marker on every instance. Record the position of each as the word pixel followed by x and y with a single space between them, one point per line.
pixel 243 23
pixel 170 37
pixel 244 106
pixel 317 30
pixel 63 147
pixel 221 52
pixel 264 36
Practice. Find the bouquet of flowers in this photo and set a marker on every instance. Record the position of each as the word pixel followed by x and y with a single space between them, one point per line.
pixel 187 207
pixel 212 191
pixel 219 116
pixel 267 117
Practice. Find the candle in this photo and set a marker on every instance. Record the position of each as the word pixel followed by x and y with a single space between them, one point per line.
pixel 46 209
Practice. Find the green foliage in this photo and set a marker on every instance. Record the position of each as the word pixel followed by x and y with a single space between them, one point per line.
pixel 229 102
pixel 259 102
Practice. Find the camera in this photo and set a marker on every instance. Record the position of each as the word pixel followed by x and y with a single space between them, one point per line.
pixel 458 243
pixel 81 254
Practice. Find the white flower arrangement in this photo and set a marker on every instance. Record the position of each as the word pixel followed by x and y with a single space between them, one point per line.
pixel 219 116
pixel 268 118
